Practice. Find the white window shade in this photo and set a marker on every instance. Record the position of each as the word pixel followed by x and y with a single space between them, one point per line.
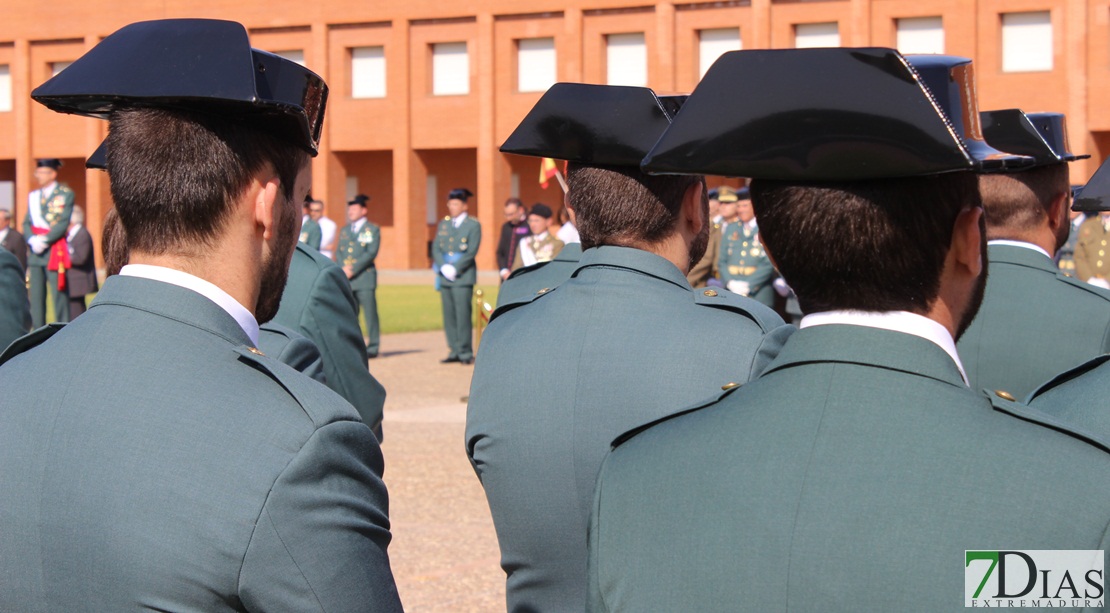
pixel 5 88
pixel 626 59
pixel 920 35
pixel 713 43
pixel 450 69
pixel 431 184
pixel 1027 41
pixel 368 72
pixel 56 67
pixel 810 35
pixel 535 64
pixel 293 55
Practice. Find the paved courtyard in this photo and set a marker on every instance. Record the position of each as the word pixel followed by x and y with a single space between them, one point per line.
pixel 444 551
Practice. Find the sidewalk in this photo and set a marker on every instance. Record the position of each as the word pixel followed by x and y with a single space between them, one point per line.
pixel 425 276
pixel 444 551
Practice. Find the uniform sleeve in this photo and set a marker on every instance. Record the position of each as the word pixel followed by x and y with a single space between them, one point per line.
pixel 59 229
pixel 320 541
pixel 333 326
pixel 769 349
pixel 437 250
pixel 303 356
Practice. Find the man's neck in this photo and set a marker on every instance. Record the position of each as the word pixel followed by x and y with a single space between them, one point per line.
pixel 49 187
pixel 228 267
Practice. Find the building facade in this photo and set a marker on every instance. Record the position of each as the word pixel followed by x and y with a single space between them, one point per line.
pixel 423 92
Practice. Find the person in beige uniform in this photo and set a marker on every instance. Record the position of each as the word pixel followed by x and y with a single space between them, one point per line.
pixel 541 246
pixel 1091 263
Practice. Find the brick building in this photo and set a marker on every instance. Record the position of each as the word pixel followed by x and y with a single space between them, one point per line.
pixel 423 92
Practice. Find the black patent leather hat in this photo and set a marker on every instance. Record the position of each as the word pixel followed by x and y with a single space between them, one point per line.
pixel 599 125
pixel 836 114
pixel 202 65
pixel 1094 197
pixel 1042 136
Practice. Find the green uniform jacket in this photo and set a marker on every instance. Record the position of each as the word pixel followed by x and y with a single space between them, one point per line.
pixel 311 234
pixel 859 460
pixel 359 250
pixel 623 342
pixel 1079 397
pixel 192 475
pixel 15 310
pixel 1092 250
pixel 318 303
pixel 525 282
pixel 743 258
pixel 1034 323
pixel 458 247
pixel 292 349
pixel 56 209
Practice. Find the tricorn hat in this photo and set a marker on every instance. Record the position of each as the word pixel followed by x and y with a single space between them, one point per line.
pixel 599 125
pixel 726 194
pixel 201 65
pixel 360 200
pixel 1095 195
pixel 54 163
pixel 829 114
pixel 1042 136
pixel 541 209
pixel 460 193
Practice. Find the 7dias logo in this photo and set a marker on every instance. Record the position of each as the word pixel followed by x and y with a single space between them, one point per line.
pixel 1055 579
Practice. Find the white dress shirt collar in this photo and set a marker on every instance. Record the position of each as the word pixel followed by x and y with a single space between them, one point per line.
pixel 209 290
pixel 457 221
pixel 897 321
pixel 1022 244
pixel 357 225
pixel 73 228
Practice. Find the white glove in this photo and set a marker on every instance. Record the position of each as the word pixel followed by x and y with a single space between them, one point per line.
pixel 448 271
pixel 1095 281
pixel 739 287
pixel 37 243
pixel 781 287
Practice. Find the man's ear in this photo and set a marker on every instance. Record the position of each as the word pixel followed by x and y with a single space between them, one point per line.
pixel 691 207
pixel 967 240
pixel 265 204
pixel 1058 212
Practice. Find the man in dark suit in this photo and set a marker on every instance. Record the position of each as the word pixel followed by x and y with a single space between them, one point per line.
pixel 514 229
pixel 852 475
pixel 81 274
pixel 208 475
pixel 11 239
pixel 1020 339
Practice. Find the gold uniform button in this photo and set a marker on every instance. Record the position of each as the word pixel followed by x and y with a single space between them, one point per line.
pixel 729 386
pixel 1003 394
pixel 1101 253
pixel 255 351
pixel 710 292
pixel 543 291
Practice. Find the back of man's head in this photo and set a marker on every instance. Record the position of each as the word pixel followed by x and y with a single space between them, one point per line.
pixel 176 199
pixel 1018 203
pixel 868 245
pixel 623 206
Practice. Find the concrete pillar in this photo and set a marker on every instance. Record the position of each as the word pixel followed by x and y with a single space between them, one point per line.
pixel 408 178
pixel 492 188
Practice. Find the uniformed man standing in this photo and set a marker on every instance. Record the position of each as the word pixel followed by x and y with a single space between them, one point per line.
pixel 623 341
pixel 359 242
pixel 1019 340
pixel 540 245
pixel 45 227
pixel 310 229
pixel 858 469
pixel 743 264
pixel 453 251
pixel 1091 248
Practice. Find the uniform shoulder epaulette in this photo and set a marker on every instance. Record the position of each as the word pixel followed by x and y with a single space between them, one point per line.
pixel 1070 374
pixel 521 301
pixel 721 298
pixel 318 402
pixel 1086 287
pixel 29 341
pixel 1005 402
pixel 527 269
pixel 701 404
pixel 446 218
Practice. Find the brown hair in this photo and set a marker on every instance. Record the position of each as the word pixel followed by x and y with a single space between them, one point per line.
pixel 1018 202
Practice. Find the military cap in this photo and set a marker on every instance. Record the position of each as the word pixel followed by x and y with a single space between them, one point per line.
pixel 712 194
pixel 360 200
pixel 744 194
pixel 1095 195
pixel 54 163
pixel 727 194
pixel 460 193
pixel 598 125
pixel 1042 136
pixel 541 209
pixel 829 114
pixel 199 65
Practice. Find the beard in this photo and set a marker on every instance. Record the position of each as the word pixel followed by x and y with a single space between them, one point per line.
pixel 701 241
pixel 275 269
pixel 977 292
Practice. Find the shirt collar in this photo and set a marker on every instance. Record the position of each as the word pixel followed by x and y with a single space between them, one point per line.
pixel 897 321
pixel 49 187
pixel 72 231
pixel 540 236
pixel 209 290
pixel 457 221
pixel 1022 244
pixel 357 225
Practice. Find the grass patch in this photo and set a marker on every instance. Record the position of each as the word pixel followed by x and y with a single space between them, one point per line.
pixel 414 308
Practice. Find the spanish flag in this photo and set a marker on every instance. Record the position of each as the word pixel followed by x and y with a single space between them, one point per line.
pixel 548 170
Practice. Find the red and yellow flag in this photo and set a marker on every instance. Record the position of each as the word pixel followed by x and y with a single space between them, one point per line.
pixel 548 170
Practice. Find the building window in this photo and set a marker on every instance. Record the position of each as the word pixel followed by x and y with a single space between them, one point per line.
pixel 809 35
pixel 920 35
pixel 293 55
pixel 450 69
pixel 5 88
pixel 713 43
pixel 626 59
pixel 368 72
pixel 1026 41
pixel 535 64
pixel 56 67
